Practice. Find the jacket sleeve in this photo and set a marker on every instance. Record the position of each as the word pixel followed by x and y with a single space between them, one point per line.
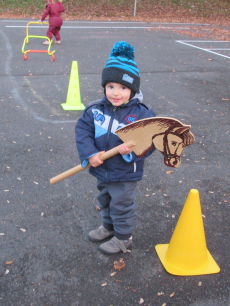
pixel 46 13
pixel 61 7
pixel 85 137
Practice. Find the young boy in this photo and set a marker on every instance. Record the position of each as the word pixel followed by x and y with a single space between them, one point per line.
pixel 95 133
pixel 53 9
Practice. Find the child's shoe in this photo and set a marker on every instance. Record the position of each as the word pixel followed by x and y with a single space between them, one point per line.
pixel 57 42
pixel 115 246
pixel 100 234
pixel 46 42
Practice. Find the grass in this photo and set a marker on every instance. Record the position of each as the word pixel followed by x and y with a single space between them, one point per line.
pixel 15 5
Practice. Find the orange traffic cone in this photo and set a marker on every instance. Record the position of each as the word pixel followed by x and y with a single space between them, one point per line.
pixel 187 254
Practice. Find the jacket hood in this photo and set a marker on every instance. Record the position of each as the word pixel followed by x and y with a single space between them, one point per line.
pixel 139 96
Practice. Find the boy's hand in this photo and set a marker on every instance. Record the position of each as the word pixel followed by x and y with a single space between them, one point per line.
pixel 123 149
pixel 59 0
pixel 95 160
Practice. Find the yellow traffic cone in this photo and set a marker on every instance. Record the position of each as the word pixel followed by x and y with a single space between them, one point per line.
pixel 187 254
pixel 73 100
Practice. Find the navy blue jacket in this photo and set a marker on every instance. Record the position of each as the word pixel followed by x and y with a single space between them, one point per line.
pixel 95 132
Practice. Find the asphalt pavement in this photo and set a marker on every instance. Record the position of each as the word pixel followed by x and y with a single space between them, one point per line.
pixel 46 258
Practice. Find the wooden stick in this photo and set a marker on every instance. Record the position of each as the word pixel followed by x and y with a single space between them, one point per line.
pixel 79 168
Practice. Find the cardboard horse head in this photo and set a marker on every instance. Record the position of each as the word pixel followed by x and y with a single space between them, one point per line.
pixel 167 135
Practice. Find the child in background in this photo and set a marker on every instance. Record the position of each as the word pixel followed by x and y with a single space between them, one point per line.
pixel 95 133
pixel 53 9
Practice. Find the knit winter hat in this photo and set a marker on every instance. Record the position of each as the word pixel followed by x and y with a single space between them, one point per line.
pixel 121 68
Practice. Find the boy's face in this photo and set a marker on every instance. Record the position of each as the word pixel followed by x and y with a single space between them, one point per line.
pixel 117 94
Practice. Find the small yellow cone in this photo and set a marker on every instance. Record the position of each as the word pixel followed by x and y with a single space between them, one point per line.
pixel 73 100
pixel 187 253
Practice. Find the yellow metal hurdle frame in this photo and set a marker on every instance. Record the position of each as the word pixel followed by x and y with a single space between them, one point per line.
pixel 26 40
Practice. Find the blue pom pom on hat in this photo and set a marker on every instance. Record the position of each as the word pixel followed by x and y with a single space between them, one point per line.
pixel 121 67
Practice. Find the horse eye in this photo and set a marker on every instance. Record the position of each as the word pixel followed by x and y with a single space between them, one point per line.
pixel 174 143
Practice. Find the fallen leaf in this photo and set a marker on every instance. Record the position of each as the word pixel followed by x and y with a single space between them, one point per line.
pixel 118 265
pixel 9 262
pixel 169 172
pixel 141 301
pixel 210 192
pixel 172 294
pixel 7 271
pixel 98 208
pixel 210 59
pixel 199 284
pixel 23 230
pixel 163 304
pixel 225 99
pixel 2 234
pixel 173 215
pixel 160 293
pixel 104 284
pixel 36 183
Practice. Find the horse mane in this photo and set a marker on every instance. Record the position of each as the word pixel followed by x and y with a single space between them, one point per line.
pixel 164 124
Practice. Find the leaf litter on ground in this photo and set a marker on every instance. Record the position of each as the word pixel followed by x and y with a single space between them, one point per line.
pixel 120 264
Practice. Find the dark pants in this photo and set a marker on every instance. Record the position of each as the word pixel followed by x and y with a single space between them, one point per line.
pixel 118 207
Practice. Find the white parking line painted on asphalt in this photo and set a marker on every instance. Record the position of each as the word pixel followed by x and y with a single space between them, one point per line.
pixel 221 49
pixel 92 28
pixel 111 22
pixel 39 26
pixel 205 41
pixel 185 42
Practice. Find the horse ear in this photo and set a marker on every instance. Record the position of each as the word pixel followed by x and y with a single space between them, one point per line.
pixel 181 129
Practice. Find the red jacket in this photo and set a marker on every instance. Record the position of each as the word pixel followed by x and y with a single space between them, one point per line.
pixel 54 10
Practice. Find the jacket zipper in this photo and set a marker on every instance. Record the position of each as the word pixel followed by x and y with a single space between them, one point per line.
pixel 107 138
